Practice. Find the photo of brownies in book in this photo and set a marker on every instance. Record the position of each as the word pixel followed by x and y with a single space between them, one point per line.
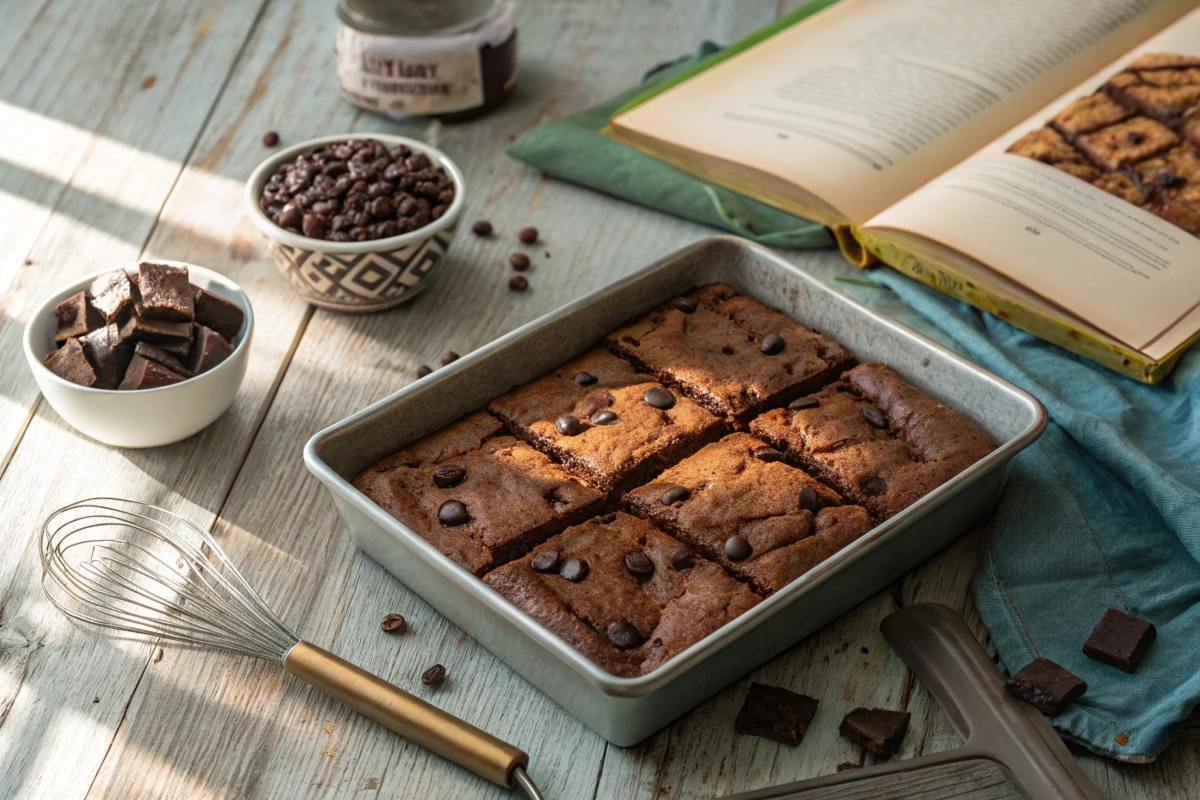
pixel 1137 137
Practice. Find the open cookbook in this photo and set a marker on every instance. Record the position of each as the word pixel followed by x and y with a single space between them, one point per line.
pixel 1039 159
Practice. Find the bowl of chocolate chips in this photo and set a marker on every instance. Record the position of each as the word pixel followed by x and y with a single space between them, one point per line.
pixel 141 356
pixel 357 222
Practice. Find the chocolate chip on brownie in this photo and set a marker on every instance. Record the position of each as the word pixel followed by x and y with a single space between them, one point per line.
pixel 775 713
pixel 1120 640
pixel 675 494
pixel 448 475
pixel 453 513
pixel 639 564
pixel 574 569
pixel 604 417
pixel 545 561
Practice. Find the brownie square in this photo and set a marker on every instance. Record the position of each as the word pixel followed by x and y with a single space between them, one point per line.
pixel 606 422
pixel 108 354
pixel 1088 114
pixel 1046 686
pixel 142 329
pixel 730 353
pixel 164 293
pixel 75 316
pixel 70 363
pixel 1048 146
pixel 209 348
pixel 480 497
pixel 112 294
pixel 143 373
pixel 610 588
pixel 215 312
pixel 162 357
pixel 879 730
pixel 1120 640
pixel 787 521
pixel 1166 97
pixel 1115 146
pixel 775 713
pixel 1174 169
pixel 1121 185
pixel 879 441
pixel 1181 207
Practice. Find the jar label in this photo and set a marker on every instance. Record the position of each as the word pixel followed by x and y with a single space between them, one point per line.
pixel 409 75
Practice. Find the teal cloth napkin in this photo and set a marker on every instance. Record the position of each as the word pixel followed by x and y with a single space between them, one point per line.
pixel 1102 512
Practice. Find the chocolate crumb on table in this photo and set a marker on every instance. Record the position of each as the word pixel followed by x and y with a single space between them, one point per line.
pixel 1046 686
pixel 775 713
pixel 1120 640
pixel 879 730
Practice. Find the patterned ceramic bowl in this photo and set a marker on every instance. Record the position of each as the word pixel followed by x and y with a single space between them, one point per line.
pixel 358 277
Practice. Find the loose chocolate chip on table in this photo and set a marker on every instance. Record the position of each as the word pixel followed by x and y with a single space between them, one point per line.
pixel 568 425
pixel 448 475
pixel 519 261
pixel 767 454
pixel 452 513
pixel 658 397
pixel 737 548
pixel 482 228
pixel 270 138
pixel 449 357
pixel 1046 686
pixel 623 635
pixel 604 417
pixel 803 403
pixel 639 564
pixel 874 416
pixel 681 558
pixel 518 283
pixel 1120 640
pixel 434 675
pixel 771 344
pixel 775 713
pixel 879 730
pixel 585 378
pixel 393 623
pixel 528 235
pixel 808 498
pixel 424 370
pixel 676 494
pixel 685 304
pixel 574 569
pixel 545 561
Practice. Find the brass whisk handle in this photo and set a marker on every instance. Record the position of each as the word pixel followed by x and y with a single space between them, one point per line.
pixel 409 716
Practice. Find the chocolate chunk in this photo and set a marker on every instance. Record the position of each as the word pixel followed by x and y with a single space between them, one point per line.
pixel 453 513
pixel 676 494
pixel 164 293
pixel 772 344
pixel 681 558
pixel 209 348
pixel 604 417
pixel 270 138
pixel 160 356
pixel 448 475
pixel 737 548
pixel 528 235
pixel 70 363
pixel 111 294
pixel 393 623
pixel 568 425
pixel 808 498
pixel 775 713
pixel 434 675
pixel 215 312
pixel 639 564
pixel 1135 138
pixel 545 561
pixel 519 261
pixel 482 228
pixel 623 635
pixel 658 397
pixel 574 569
pixel 877 729
pixel 108 354
pixel 1120 640
pixel 875 417
pixel 767 454
pixel 1046 686
pixel 449 357
pixel 75 316
pixel 142 373
pixel 685 304
pixel 585 378
pixel 803 403
pixel 518 283
pixel 423 370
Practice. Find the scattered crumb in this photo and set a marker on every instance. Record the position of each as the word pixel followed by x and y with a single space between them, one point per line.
pixel 371 783
pixel 158 655
pixel 865 650
pixel 897 594
pixel 461 639
pixel 29 262
pixel 96 699
pixel 304 715
pixel 845 765
pixel 329 727
pixel 547 254
pixel 148 81
pixel 1121 739
pixel 328 752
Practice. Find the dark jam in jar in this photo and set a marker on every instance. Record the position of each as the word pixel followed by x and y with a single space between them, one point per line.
pixel 450 59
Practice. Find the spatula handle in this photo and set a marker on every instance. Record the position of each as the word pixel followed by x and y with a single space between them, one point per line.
pixel 409 716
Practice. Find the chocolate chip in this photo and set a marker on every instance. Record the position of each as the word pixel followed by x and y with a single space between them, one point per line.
pixel 767 454
pixel 1135 138
pixel 528 235
pixel 803 403
pixel 1168 180
pixel 676 494
pixel 568 425
pixel 737 548
pixel 545 561
pixel 270 138
pixel 681 558
pixel 585 378
pixel 658 397
pixel 393 623
pixel 574 569
pixel 449 357
pixel 771 344
pixel 518 283
pixel 808 498
pixel 639 564
pixel 519 261
pixel 434 675
pixel 453 513
pixel 482 228
pixel 604 417
pixel 685 304
pixel 623 635
pixel 424 370
pixel 874 416
pixel 449 475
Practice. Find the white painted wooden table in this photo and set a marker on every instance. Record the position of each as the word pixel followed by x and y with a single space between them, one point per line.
pixel 126 130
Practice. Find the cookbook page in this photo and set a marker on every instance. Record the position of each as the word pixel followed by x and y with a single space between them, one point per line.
pixel 867 100
pixel 1094 201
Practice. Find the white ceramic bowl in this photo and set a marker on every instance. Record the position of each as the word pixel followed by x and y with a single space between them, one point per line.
pixel 146 417
pixel 357 277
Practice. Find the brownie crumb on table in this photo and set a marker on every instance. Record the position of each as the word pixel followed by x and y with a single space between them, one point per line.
pixel 776 713
pixel 1046 686
pixel 879 730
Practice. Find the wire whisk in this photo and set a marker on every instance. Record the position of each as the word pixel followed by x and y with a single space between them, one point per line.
pixel 125 566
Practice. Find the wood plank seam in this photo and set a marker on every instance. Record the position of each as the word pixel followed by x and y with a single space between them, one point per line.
pixel 12 450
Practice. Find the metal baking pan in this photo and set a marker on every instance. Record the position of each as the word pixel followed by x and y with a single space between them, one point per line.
pixel 626 710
